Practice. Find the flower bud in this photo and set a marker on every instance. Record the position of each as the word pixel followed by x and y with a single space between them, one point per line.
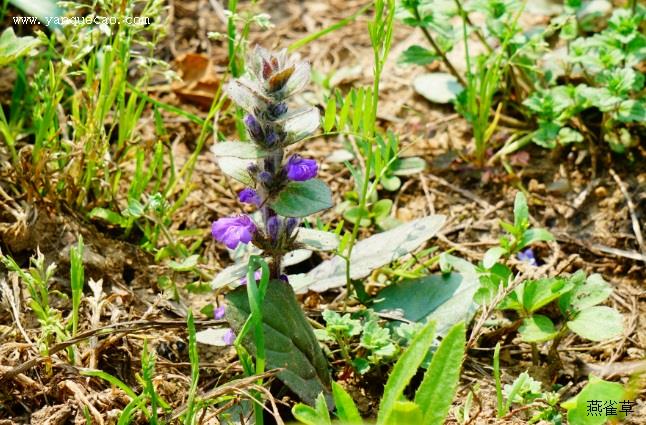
pixel 249 196
pixel 273 227
pixel 254 128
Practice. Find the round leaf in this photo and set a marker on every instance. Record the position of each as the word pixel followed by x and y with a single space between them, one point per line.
pixel 537 328
pixel 597 323
pixel 300 199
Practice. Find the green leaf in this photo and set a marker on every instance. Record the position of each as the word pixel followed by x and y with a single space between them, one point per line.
pixel 289 340
pixel 330 114
pixel 568 135
pixel 594 291
pixel 390 183
pixel 546 135
pixel 492 256
pixel 317 240
pixel 346 410
pixel 538 293
pixel 185 265
pixel 353 214
pixel 534 235
pixel 382 207
pixel 408 166
pixel 597 323
pixel 417 55
pixel 436 392
pixel 300 199
pixel 243 150
pixel 404 370
pixel 109 216
pixel 594 391
pixel 406 412
pixel 12 48
pixel 521 212
pixel 537 328
pixel 313 416
pixel 632 111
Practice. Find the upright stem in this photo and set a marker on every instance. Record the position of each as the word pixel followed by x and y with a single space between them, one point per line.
pixel 439 51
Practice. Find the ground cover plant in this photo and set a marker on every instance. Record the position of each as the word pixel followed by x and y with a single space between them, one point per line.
pixel 353 212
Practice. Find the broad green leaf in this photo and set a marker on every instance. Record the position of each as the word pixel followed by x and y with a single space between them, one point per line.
pixel 408 166
pixel 536 294
pixel 289 340
pixel 537 328
pixel 417 55
pixel 243 150
pixel 546 135
pixel 436 392
pixel 12 47
pixel 534 235
pixel 317 240
pixel 185 265
pixel 594 391
pixel 632 111
pixel 594 291
pixel 372 253
pixel 330 114
pixel 492 256
pixel 300 199
pixel 597 323
pixel 313 416
pixel 568 135
pixel 346 410
pixel 382 207
pixel 404 370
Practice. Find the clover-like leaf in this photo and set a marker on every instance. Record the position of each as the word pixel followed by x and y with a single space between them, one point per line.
pixel 300 199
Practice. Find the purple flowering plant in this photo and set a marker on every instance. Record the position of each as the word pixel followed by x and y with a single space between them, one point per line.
pixel 282 189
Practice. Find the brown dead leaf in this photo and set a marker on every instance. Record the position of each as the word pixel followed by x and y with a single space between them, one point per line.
pixel 199 81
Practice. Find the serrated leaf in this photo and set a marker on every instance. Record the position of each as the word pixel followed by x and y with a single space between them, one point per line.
pixel 346 410
pixel 300 199
pixel 632 111
pixel 408 166
pixel 317 240
pixel 403 371
pixel 537 328
pixel 289 340
pixel 436 392
pixel 597 323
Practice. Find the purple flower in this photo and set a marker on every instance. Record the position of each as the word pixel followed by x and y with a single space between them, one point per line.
pixel 218 313
pixel 229 337
pixel 254 127
pixel 527 256
pixel 300 169
pixel 249 196
pixel 233 230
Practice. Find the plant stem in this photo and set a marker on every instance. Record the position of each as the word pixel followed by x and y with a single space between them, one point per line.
pixel 439 51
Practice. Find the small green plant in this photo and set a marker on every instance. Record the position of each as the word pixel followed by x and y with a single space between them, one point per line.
pixel 432 399
pixel 363 342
